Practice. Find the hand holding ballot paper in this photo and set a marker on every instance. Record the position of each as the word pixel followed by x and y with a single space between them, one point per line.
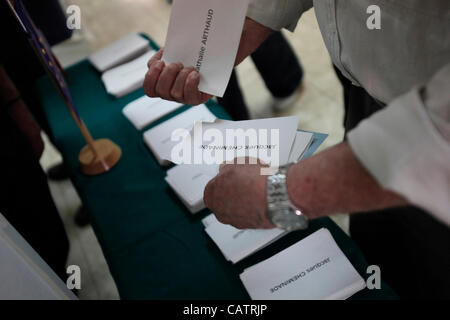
pixel 201 149
pixel 202 47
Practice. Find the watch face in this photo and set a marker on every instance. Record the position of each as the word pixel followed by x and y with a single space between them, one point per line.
pixel 288 219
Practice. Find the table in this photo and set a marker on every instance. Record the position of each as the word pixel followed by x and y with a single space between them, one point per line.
pixel 154 247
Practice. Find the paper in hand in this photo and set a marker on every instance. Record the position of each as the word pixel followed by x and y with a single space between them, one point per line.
pixel 205 34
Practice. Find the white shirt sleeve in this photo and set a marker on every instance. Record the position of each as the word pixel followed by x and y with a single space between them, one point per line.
pixel 406 146
pixel 278 14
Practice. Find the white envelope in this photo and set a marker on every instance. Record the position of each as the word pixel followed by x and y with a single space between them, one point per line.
pixel 128 77
pixel 159 138
pixel 205 34
pixel 314 268
pixel 145 110
pixel 124 49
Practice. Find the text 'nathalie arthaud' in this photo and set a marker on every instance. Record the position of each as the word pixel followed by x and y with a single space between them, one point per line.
pixel 201 54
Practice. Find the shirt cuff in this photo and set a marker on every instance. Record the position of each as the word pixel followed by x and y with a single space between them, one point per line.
pixel 405 153
pixel 278 14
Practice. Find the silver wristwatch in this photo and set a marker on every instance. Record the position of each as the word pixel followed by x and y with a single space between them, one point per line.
pixel 281 210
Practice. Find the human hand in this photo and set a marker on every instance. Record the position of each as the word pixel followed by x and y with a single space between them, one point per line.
pixel 177 82
pixel 237 196
pixel 173 82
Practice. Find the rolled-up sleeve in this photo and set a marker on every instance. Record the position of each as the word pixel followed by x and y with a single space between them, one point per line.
pixel 278 14
pixel 406 146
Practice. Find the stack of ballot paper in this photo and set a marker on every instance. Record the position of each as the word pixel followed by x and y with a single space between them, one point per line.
pixel 121 51
pixel 237 244
pixel 145 110
pixel 312 269
pixel 127 77
pixel 189 180
pixel 159 138
pixel 205 35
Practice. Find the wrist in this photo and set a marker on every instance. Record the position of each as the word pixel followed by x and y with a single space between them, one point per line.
pixel 293 186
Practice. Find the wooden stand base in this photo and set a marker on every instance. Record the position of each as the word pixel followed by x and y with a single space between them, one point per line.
pixel 108 154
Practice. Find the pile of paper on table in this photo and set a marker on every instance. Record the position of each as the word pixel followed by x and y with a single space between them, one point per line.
pixel 143 111
pixel 127 77
pixel 314 268
pixel 123 64
pixel 121 51
pixel 237 244
pixel 159 139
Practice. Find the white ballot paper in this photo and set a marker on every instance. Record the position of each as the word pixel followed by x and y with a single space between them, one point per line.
pixel 128 77
pixel 269 140
pixel 124 49
pixel 205 34
pixel 237 244
pixel 188 181
pixel 312 269
pixel 159 138
pixel 145 110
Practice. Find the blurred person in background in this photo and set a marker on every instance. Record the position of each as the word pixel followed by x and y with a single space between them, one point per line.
pixel 24 68
pixel 25 198
pixel 283 77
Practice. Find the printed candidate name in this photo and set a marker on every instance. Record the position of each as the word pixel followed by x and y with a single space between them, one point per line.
pixel 299 275
pixel 204 41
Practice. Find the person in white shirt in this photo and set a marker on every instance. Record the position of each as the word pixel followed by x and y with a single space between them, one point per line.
pixel 398 156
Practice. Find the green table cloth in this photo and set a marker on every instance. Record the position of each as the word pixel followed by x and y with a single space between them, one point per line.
pixel 154 247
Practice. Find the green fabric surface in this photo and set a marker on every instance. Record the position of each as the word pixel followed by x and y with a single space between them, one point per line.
pixel 154 247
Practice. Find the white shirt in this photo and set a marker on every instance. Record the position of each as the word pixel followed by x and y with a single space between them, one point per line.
pixel 406 65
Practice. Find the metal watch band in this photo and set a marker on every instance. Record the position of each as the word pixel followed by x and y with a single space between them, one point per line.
pixel 280 209
pixel 277 195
